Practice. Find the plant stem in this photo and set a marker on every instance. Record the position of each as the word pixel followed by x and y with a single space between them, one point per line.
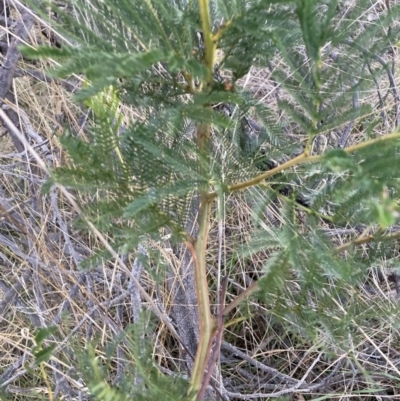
pixel 358 241
pixel 302 159
pixel 260 178
pixel 207 324
pixel 209 42
pixel 206 321
pixel 366 239
pixel 243 295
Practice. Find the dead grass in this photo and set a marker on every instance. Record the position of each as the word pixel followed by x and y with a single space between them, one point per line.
pixel 42 285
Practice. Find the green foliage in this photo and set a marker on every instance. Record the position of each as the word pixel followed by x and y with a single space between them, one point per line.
pixel 43 354
pixel 140 176
pixel 142 379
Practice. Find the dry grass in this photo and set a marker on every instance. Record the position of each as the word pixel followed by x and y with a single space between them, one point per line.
pixel 41 284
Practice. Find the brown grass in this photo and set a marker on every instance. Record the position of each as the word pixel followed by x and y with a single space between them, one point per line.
pixel 41 283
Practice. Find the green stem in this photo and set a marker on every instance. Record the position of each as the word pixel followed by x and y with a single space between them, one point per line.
pixel 302 159
pixel 209 42
pixel 358 241
pixel 206 321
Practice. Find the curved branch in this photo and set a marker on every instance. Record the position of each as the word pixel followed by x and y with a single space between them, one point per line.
pixel 358 241
pixel 302 159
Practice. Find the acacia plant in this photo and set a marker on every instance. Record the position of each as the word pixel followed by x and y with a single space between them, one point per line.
pixel 176 135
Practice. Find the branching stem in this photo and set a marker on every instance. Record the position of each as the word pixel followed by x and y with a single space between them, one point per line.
pixel 206 320
pixel 208 327
pixel 302 159
pixel 358 241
